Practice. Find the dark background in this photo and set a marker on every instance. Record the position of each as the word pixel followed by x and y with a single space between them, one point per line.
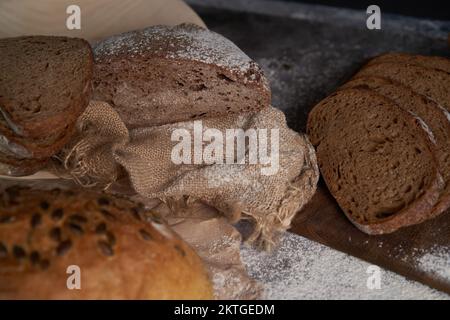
pixel 306 59
pixel 438 10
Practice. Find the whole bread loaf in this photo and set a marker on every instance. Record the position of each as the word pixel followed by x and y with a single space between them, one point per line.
pixel 120 250
pixel 168 74
pixel 376 159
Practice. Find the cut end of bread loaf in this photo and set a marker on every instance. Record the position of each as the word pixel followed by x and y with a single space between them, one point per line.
pixel 172 91
pixel 179 73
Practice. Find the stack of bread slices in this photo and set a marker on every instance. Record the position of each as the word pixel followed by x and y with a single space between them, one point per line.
pixel 383 142
pixel 45 84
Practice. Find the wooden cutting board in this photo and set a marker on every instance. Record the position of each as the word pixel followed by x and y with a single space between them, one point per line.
pixel 420 253
pixel 99 18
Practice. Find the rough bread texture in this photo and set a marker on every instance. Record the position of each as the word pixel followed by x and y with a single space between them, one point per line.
pixel 167 74
pixel 432 62
pixel 45 83
pixel 431 83
pixel 28 148
pixel 376 159
pixel 10 166
pixel 123 251
pixel 437 119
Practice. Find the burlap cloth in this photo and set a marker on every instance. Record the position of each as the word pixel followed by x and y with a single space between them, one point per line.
pixel 105 151
pixel 218 243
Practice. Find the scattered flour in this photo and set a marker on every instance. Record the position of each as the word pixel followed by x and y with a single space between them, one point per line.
pixel 437 262
pixel 180 42
pixel 163 230
pixel 302 269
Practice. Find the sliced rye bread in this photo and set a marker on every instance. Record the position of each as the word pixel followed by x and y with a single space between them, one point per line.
pixel 11 166
pixel 375 159
pixel 45 83
pixel 431 83
pixel 437 119
pixel 19 147
pixel 432 62
pixel 165 74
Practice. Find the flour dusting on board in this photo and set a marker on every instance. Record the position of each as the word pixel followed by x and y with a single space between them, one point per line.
pixel 436 262
pixel 302 269
pixel 162 229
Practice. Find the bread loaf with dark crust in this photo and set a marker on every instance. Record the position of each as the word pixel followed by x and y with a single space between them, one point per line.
pixel 10 166
pixel 29 148
pixel 431 83
pixel 376 159
pixel 431 62
pixel 165 74
pixel 122 250
pixel 45 83
pixel 437 119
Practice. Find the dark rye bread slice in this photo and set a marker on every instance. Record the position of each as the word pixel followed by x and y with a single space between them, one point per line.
pixel 375 159
pixel 165 74
pixel 10 166
pixel 46 146
pixel 45 83
pixel 432 62
pixel 28 148
pixel 437 119
pixel 431 83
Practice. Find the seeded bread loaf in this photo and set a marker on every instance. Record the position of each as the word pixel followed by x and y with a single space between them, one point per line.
pixel 120 250
pixel 432 62
pixel 428 82
pixel 437 119
pixel 167 74
pixel 376 159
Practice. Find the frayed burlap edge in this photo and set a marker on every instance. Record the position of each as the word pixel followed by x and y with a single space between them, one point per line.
pixel 266 227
